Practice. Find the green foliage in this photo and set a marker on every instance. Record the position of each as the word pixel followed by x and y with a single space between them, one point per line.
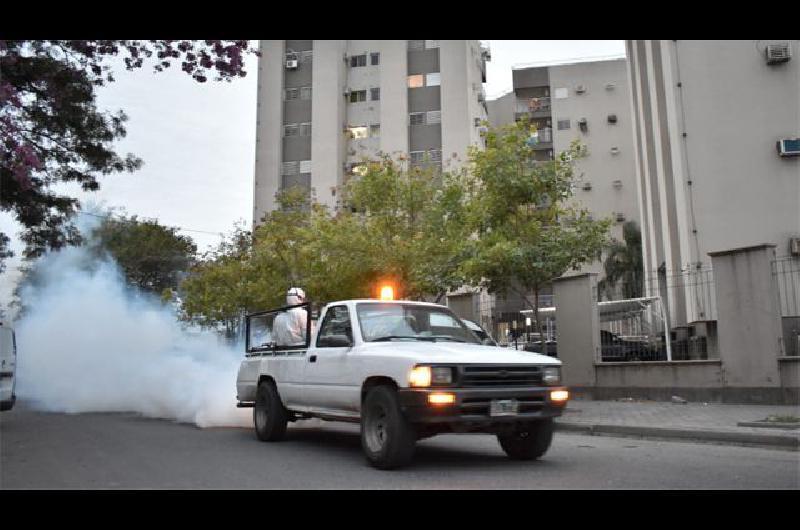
pixel 408 226
pixel 623 264
pixel 527 232
pixel 151 255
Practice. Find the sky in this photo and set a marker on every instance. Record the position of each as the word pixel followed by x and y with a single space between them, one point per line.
pixel 198 143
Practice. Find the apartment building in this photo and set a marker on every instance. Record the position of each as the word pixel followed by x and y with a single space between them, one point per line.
pixel 715 127
pixel 325 105
pixel 587 101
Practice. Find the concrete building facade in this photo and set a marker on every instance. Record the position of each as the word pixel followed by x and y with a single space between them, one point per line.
pixel 589 102
pixel 326 105
pixel 708 116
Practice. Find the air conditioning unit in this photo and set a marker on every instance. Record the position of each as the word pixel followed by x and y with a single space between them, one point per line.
pixel 794 246
pixel 612 118
pixel 583 124
pixel 615 150
pixel 620 217
pixel 587 186
pixel 788 147
pixel 778 53
pixel 291 64
pixel 618 184
pixel 580 89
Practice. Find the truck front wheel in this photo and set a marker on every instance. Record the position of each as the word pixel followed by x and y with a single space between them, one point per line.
pixel 528 441
pixel 386 435
pixel 269 414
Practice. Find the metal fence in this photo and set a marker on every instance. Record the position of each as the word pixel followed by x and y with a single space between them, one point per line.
pixel 690 295
pixel 786 271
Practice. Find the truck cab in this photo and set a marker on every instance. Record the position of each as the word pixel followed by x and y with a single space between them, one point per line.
pixel 405 371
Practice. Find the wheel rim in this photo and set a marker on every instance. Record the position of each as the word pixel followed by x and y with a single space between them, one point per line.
pixel 375 428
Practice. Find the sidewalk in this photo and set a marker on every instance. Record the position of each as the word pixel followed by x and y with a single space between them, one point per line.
pixel 710 422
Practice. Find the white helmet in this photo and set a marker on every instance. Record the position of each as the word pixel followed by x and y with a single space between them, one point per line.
pixel 295 296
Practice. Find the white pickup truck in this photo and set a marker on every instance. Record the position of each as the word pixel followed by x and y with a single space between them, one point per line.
pixel 404 371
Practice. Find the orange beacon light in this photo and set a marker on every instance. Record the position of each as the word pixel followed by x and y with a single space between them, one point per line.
pixel 387 292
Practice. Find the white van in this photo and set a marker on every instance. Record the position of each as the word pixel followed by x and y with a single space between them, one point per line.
pixel 8 367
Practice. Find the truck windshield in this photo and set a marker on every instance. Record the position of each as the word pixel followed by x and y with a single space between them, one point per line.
pixel 393 321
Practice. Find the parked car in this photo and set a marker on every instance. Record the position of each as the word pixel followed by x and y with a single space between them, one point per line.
pixel 536 346
pixel 614 348
pixel 8 367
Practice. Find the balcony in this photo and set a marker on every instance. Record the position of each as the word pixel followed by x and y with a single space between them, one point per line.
pixel 542 139
pixel 533 107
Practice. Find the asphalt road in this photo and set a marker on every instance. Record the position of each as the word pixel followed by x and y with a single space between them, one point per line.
pixel 109 451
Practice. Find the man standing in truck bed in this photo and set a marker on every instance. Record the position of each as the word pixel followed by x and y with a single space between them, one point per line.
pixel 289 327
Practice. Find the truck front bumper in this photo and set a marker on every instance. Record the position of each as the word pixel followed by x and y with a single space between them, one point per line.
pixel 472 405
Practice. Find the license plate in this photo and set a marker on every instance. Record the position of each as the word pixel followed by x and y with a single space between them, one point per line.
pixel 503 407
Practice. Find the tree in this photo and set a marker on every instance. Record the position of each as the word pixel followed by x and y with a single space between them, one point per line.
pixel 407 225
pixel 410 225
pixel 527 232
pixel 624 263
pixel 51 130
pixel 151 255
pixel 219 287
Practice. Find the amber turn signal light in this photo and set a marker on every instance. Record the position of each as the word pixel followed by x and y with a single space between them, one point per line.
pixel 441 398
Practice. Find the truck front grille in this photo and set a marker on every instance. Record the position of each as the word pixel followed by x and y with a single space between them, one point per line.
pixel 480 406
pixel 500 375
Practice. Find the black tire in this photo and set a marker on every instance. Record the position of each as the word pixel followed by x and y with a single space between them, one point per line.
pixel 269 415
pixel 529 441
pixel 387 437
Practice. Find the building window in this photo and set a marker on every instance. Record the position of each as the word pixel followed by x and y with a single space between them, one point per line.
pixel 434 116
pixel 416 118
pixel 290 168
pixel 416 45
pixel 291 93
pixel 433 79
pixel 561 93
pixel 375 130
pixel 435 155
pixel 431 44
pixel 305 129
pixel 305 92
pixel 357 96
pixel 417 157
pixel 375 94
pixel 306 56
pixel 416 81
pixel 305 166
pixel 357 132
pixel 358 60
pixel 374 59
pixel 290 129
pixel 563 125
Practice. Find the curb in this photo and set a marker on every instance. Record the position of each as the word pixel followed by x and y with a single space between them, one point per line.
pixel 732 438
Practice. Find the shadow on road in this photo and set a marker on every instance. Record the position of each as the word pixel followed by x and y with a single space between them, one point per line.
pixel 427 457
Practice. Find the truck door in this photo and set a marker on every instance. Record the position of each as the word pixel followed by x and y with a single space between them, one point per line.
pixel 328 384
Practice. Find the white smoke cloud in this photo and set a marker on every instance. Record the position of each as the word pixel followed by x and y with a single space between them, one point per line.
pixel 88 343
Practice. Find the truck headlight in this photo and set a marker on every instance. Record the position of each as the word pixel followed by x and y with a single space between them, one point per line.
pixel 551 375
pixel 420 376
pixel 442 375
